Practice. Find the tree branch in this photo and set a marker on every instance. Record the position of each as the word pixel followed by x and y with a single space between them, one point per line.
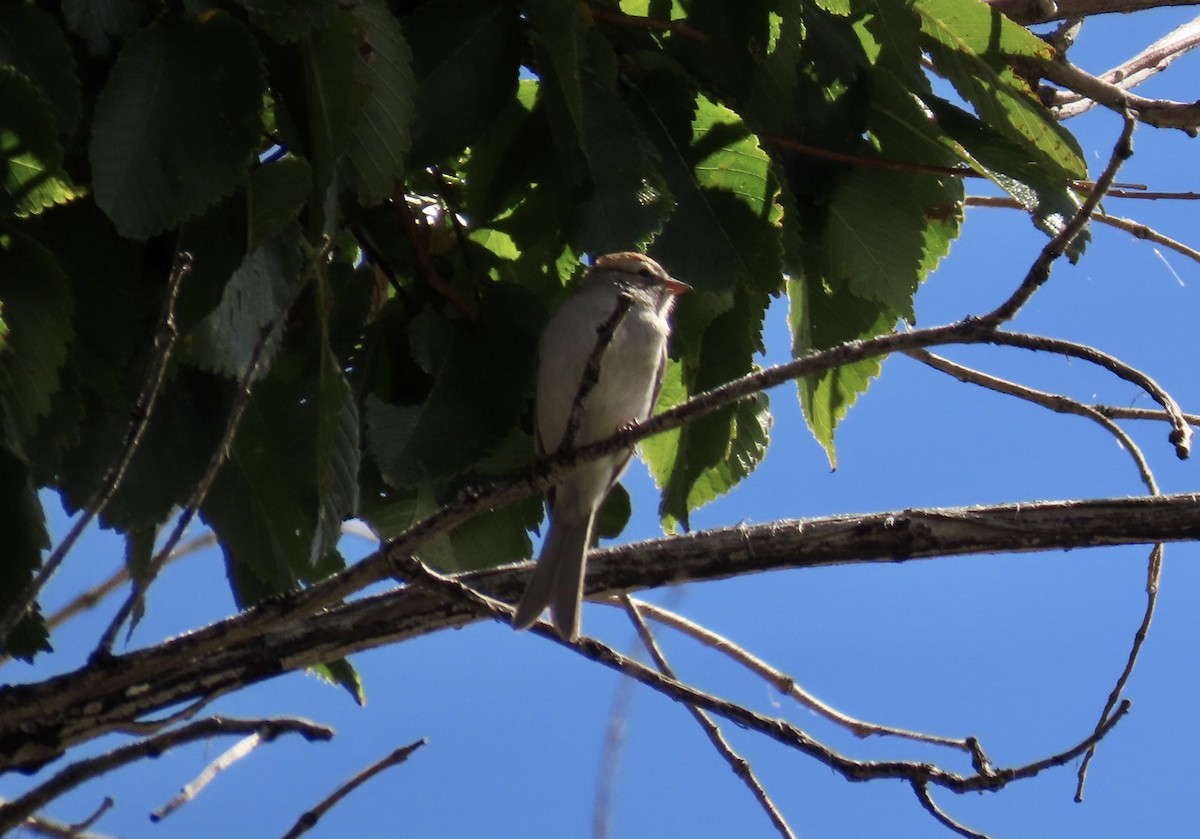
pixel 39 722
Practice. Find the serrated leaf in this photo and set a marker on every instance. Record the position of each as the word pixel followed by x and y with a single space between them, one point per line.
pixel 188 418
pixel 288 20
pixel 255 298
pixel 703 460
pixel 821 318
pixel 100 21
pixel 333 96
pixel 466 58
pixel 31 174
pixel 629 200
pixel 274 195
pixel 282 483
pixel 24 527
pixel 35 308
pixel 724 233
pixel 561 32
pixel 158 154
pixel 478 393
pixel 32 43
pixel 382 135
pixel 973 46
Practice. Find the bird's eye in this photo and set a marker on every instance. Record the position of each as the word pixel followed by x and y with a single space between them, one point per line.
pixel 644 272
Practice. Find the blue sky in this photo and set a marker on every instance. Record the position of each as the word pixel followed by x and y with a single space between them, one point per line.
pixel 1020 651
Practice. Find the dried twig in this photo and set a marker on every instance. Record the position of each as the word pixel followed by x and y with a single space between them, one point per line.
pixel 788 685
pixel 227 758
pixel 922 791
pixel 740 766
pixel 164 342
pixel 1039 271
pixel 1136 229
pixel 14 812
pixel 309 819
pixel 1053 401
pixel 1161 113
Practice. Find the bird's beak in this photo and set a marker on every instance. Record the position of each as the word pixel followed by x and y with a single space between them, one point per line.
pixel 675 286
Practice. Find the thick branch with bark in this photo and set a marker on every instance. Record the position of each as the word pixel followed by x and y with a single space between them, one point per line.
pixel 38 722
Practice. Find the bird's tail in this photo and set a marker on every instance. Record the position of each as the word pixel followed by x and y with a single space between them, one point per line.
pixel 557 581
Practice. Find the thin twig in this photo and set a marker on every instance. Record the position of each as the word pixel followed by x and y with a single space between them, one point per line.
pixel 1039 271
pixel 1161 113
pixel 1134 228
pixel 309 819
pixel 1153 581
pixel 788 685
pixel 41 825
pixel 229 757
pixel 164 342
pixel 922 791
pixel 14 812
pixel 740 766
pixel 1052 401
pixel 546 471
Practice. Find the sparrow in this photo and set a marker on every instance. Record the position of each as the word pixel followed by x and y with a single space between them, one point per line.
pixel 628 377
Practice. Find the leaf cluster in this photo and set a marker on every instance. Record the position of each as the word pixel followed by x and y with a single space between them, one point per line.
pixel 383 200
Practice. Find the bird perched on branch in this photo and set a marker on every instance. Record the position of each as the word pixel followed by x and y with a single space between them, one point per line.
pixel 600 367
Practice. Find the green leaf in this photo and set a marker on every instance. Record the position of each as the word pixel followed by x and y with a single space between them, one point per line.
pixel 481 383
pixel 24 527
pixel 100 21
pixel 35 309
pixel 821 318
pixel 466 58
pixel 31 157
pixel 33 44
pixel 974 47
pixel 703 460
pixel 332 100
pixel 375 154
pixel 284 480
pixel 342 674
pixel 629 200
pixel 560 30
pixel 275 194
pixel 1048 199
pixel 189 416
pixel 178 122
pixel 287 21
pixel 725 231
pixel 337 446
pixel 256 297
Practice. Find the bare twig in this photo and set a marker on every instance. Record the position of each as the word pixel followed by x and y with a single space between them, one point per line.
pixel 41 825
pixel 308 820
pixel 229 757
pixel 1053 401
pixel 164 342
pixel 922 791
pixel 788 686
pixel 14 812
pixel 1150 61
pixel 1042 11
pixel 1039 272
pixel 1136 229
pixel 1153 580
pixel 740 766
pixel 1161 113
